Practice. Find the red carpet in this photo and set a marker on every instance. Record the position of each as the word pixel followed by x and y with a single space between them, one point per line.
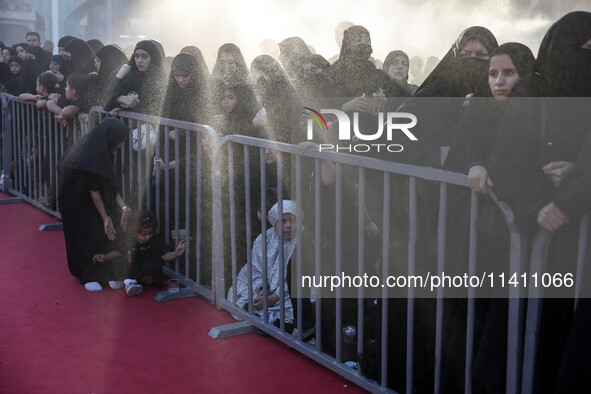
pixel 55 337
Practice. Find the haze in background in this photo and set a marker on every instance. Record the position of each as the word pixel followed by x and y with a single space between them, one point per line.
pixel 419 27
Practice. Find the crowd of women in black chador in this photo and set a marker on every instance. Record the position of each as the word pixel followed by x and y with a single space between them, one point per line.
pixel 485 111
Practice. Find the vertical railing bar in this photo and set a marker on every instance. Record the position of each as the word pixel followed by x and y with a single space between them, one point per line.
pixel 411 292
pixel 44 182
pixel 16 144
pixel 471 292
pixel 50 153
pixel 140 185
pixel 264 232
pixel 247 198
pixel 441 239
pixel 385 274
pixel 232 217
pixel 361 262
pixel 299 301
pixel 581 254
pixel 36 155
pixel 167 184
pixel 338 261
pixel 29 133
pixel 177 191
pixel 279 167
pixel 538 265
pixel 158 169
pixel 187 203
pixel 130 158
pixel 198 209
pixel 317 252
pixel 149 163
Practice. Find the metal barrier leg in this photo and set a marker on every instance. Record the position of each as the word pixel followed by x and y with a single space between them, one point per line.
pixel 231 330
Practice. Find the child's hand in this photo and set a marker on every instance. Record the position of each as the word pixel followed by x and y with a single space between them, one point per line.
pixel 272 299
pixel 98 258
pixel 53 96
pixel 158 163
pixel 41 104
pixel 62 120
pixel 180 249
pixel 82 117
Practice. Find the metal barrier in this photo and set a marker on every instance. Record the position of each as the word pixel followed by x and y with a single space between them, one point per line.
pixel 539 264
pixel 33 143
pixel 413 174
pixel 198 199
pixel 178 194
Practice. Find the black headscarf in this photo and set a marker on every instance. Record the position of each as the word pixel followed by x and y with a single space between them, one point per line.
pixel 476 131
pixel 407 88
pixel 83 57
pixel 64 40
pixel 533 133
pixel 390 59
pixel 275 92
pixel 457 76
pixel 112 58
pixel 150 84
pixel 95 44
pixel 564 65
pixel 16 59
pixel 522 57
pixel 295 50
pixel 22 44
pixel 196 52
pixel 239 121
pixel 241 67
pixel 11 84
pixel 353 73
pixel 188 104
pixel 11 50
pixel 59 60
pixel 94 152
pixel 313 83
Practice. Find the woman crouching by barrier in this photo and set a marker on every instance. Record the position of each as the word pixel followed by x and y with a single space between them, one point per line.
pixel 87 199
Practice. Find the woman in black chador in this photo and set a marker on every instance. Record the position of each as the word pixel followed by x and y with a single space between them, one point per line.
pixel 88 200
pixel 143 89
pixel 34 64
pixel 186 95
pixel 186 100
pixel 81 57
pixel 110 61
pixel 469 154
pixel 535 147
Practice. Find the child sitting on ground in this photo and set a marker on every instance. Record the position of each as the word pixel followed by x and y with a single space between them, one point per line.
pixel 74 102
pixel 274 280
pixel 146 251
pixel 47 84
